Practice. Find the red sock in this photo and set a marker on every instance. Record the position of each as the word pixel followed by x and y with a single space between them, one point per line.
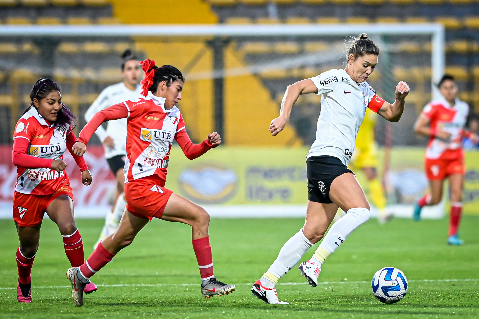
pixel 97 260
pixel 455 218
pixel 424 201
pixel 204 256
pixel 74 248
pixel 24 266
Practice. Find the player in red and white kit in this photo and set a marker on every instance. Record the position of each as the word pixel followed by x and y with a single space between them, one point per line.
pixel 41 137
pixel 443 120
pixel 153 123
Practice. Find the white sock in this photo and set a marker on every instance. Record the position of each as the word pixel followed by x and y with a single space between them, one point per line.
pixel 119 209
pixel 341 229
pixel 291 253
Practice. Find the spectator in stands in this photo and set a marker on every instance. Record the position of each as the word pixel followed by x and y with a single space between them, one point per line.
pixel 114 137
pixel 443 121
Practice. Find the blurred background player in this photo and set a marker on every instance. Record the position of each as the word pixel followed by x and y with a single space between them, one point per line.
pixel 443 121
pixel 42 135
pixel 114 137
pixel 365 158
pixel 154 122
pixel 473 127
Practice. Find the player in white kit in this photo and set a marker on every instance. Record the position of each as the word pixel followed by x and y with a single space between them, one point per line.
pixel 114 137
pixel 345 95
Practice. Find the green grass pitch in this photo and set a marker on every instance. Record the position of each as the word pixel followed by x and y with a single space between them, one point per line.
pixel 157 275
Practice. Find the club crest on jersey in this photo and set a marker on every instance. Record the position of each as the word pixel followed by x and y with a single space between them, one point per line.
pixel 149 135
pixel 32 175
pixel 322 187
pixel 22 211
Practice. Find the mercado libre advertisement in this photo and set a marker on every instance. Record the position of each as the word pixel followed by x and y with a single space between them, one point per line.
pixel 249 182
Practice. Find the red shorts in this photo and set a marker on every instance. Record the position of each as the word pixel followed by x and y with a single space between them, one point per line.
pixel 146 197
pixel 28 209
pixel 439 169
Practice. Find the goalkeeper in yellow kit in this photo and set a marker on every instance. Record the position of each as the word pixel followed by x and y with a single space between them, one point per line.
pixel 365 158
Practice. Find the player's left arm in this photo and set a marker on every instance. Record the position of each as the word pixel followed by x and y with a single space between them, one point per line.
pixel 393 112
pixel 191 150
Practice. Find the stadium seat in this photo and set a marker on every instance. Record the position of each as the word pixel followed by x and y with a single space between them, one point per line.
pixel 286 47
pixel 62 3
pixel 283 2
pixel 298 20
pixel 254 2
pixel 108 20
pixel 238 20
pixel 6 100
pixel 357 20
pixel 449 22
pixel 29 47
pixel 373 2
pixel 49 20
pixel 402 2
pixel 342 2
pixel 17 20
pixel 109 75
pixel 328 20
pixel 5 3
pixel 69 47
pixel 387 20
pixel 23 75
pixel 471 22
pixel 274 74
pixel 120 47
pixel 460 2
pixel 8 48
pixel 309 72
pixel 34 3
pixel 460 73
pixel 94 3
pixel 463 46
pixel 409 47
pixel 315 46
pixel 431 1
pixel 267 20
pixel 427 47
pixel 96 47
pixel 256 48
pixel 89 74
pixel 316 2
pixel 79 20
pixel 222 2
pixel 416 20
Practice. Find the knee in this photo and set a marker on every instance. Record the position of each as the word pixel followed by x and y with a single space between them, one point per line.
pixel 67 228
pixel 363 214
pixel 435 200
pixel 28 251
pixel 202 218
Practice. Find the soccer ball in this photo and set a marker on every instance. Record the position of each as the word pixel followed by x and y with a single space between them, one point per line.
pixel 389 285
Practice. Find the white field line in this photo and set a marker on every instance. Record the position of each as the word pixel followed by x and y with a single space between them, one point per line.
pixel 249 284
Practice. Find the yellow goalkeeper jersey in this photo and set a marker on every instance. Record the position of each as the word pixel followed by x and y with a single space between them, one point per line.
pixel 366 132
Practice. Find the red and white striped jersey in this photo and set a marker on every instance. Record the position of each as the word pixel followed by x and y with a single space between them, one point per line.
pixel 46 141
pixel 451 119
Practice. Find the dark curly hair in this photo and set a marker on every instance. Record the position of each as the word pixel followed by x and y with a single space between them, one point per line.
pixel 40 90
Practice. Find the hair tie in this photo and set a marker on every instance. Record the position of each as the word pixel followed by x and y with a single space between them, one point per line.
pixel 148 67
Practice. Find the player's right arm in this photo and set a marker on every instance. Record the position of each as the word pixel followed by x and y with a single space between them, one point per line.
pixel 292 93
pixel 114 112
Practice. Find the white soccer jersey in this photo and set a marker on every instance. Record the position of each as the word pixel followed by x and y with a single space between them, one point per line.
pixel 111 95
pixel 343 105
